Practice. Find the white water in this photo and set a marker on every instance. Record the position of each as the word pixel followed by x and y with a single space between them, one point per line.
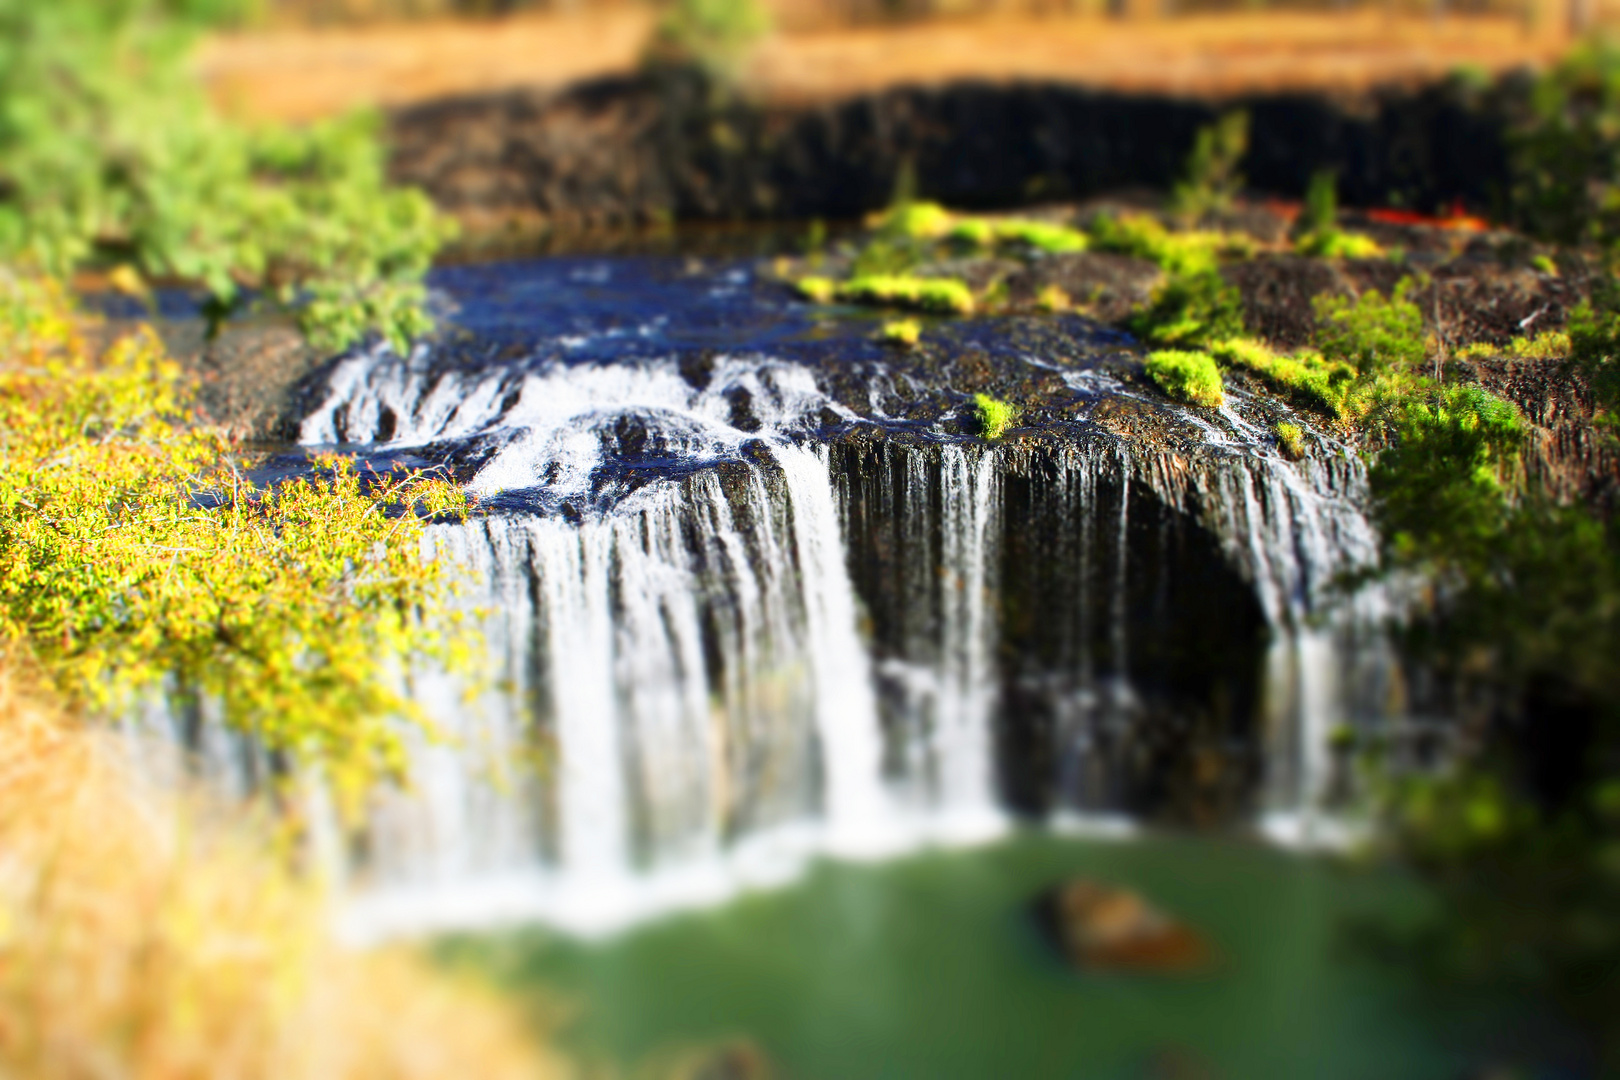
pixel 680 701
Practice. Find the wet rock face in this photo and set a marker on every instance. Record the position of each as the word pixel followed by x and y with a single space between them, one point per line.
pixel 1127 648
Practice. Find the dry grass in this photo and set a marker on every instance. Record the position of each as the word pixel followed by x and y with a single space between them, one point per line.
pixel 302 72
pixel 141 937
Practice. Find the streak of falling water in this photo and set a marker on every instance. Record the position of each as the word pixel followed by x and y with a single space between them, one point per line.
pixel 846 711
pixel 970 492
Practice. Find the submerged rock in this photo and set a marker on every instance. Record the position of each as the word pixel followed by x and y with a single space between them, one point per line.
pixel 1105 928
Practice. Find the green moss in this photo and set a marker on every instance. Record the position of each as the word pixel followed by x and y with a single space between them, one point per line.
pixel 1187 376
pixel 941 295
pixel 1190 309
pixel 906 332
pixel 974 232
pixel 1053 298
pixel 1042 236
pixel 1335 244
pixel 1189 252
pixel 995 416
pixel 1547 345
pixel 1306 377
pixel 916 221
pixel 1291 440
pixel 819 290
pixel 1375 334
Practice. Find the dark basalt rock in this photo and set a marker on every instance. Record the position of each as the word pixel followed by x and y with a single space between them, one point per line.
pixel 664 147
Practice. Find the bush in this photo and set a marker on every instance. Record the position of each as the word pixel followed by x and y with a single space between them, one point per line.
pixel 1212 182
pixel 133 551
pixel 995 416
pixel 110 154
pixel 1376 335
pixel 1594 343
pixel 1441 484
pixel 1187 376
pixel 715 36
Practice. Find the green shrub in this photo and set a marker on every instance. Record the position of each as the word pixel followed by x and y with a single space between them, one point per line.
pixel 1187 376
pixel 1321 210
pixel 1377 335
pixel 716 36
pixel 110 153
pixel 1594 344
pixel 1212 182
pixel 132 550
pixel 995 417
pixel 1441 482
pixel 1042 236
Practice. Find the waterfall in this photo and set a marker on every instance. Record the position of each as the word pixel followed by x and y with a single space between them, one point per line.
pixel 732 624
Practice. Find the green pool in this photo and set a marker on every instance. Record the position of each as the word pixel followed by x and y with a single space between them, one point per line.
pixel 930 966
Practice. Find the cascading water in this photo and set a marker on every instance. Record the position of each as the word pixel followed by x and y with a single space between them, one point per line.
pixel 738 613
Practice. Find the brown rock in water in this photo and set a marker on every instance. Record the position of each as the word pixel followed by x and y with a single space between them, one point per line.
pixel 1102 928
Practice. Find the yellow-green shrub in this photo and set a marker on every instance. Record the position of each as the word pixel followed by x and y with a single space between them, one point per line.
pixel 1305 376
pixel 133 550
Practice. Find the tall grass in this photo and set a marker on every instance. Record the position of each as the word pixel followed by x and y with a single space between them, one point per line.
pixel 146 937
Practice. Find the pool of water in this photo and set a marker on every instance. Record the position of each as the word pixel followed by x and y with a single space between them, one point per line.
pixel 933 966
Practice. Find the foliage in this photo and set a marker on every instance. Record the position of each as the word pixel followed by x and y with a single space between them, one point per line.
pixel 1321 211
pixel 905 332
pixel 1373 333
pixel 1337 244
pixel 1547 345
pixel 1565 150
pixel 1177 253
pixel 714 35
pixel 1594 343
pixel 111 154
pixel 1187 376
pixel 133 551
pixel 1441 483
pixel 1212 181
pixel 995 416
pixel 1045 236
pixel 1191 309
pixel 816 289
pixel 1306 377
pixel 152 937
pixel 1290 439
